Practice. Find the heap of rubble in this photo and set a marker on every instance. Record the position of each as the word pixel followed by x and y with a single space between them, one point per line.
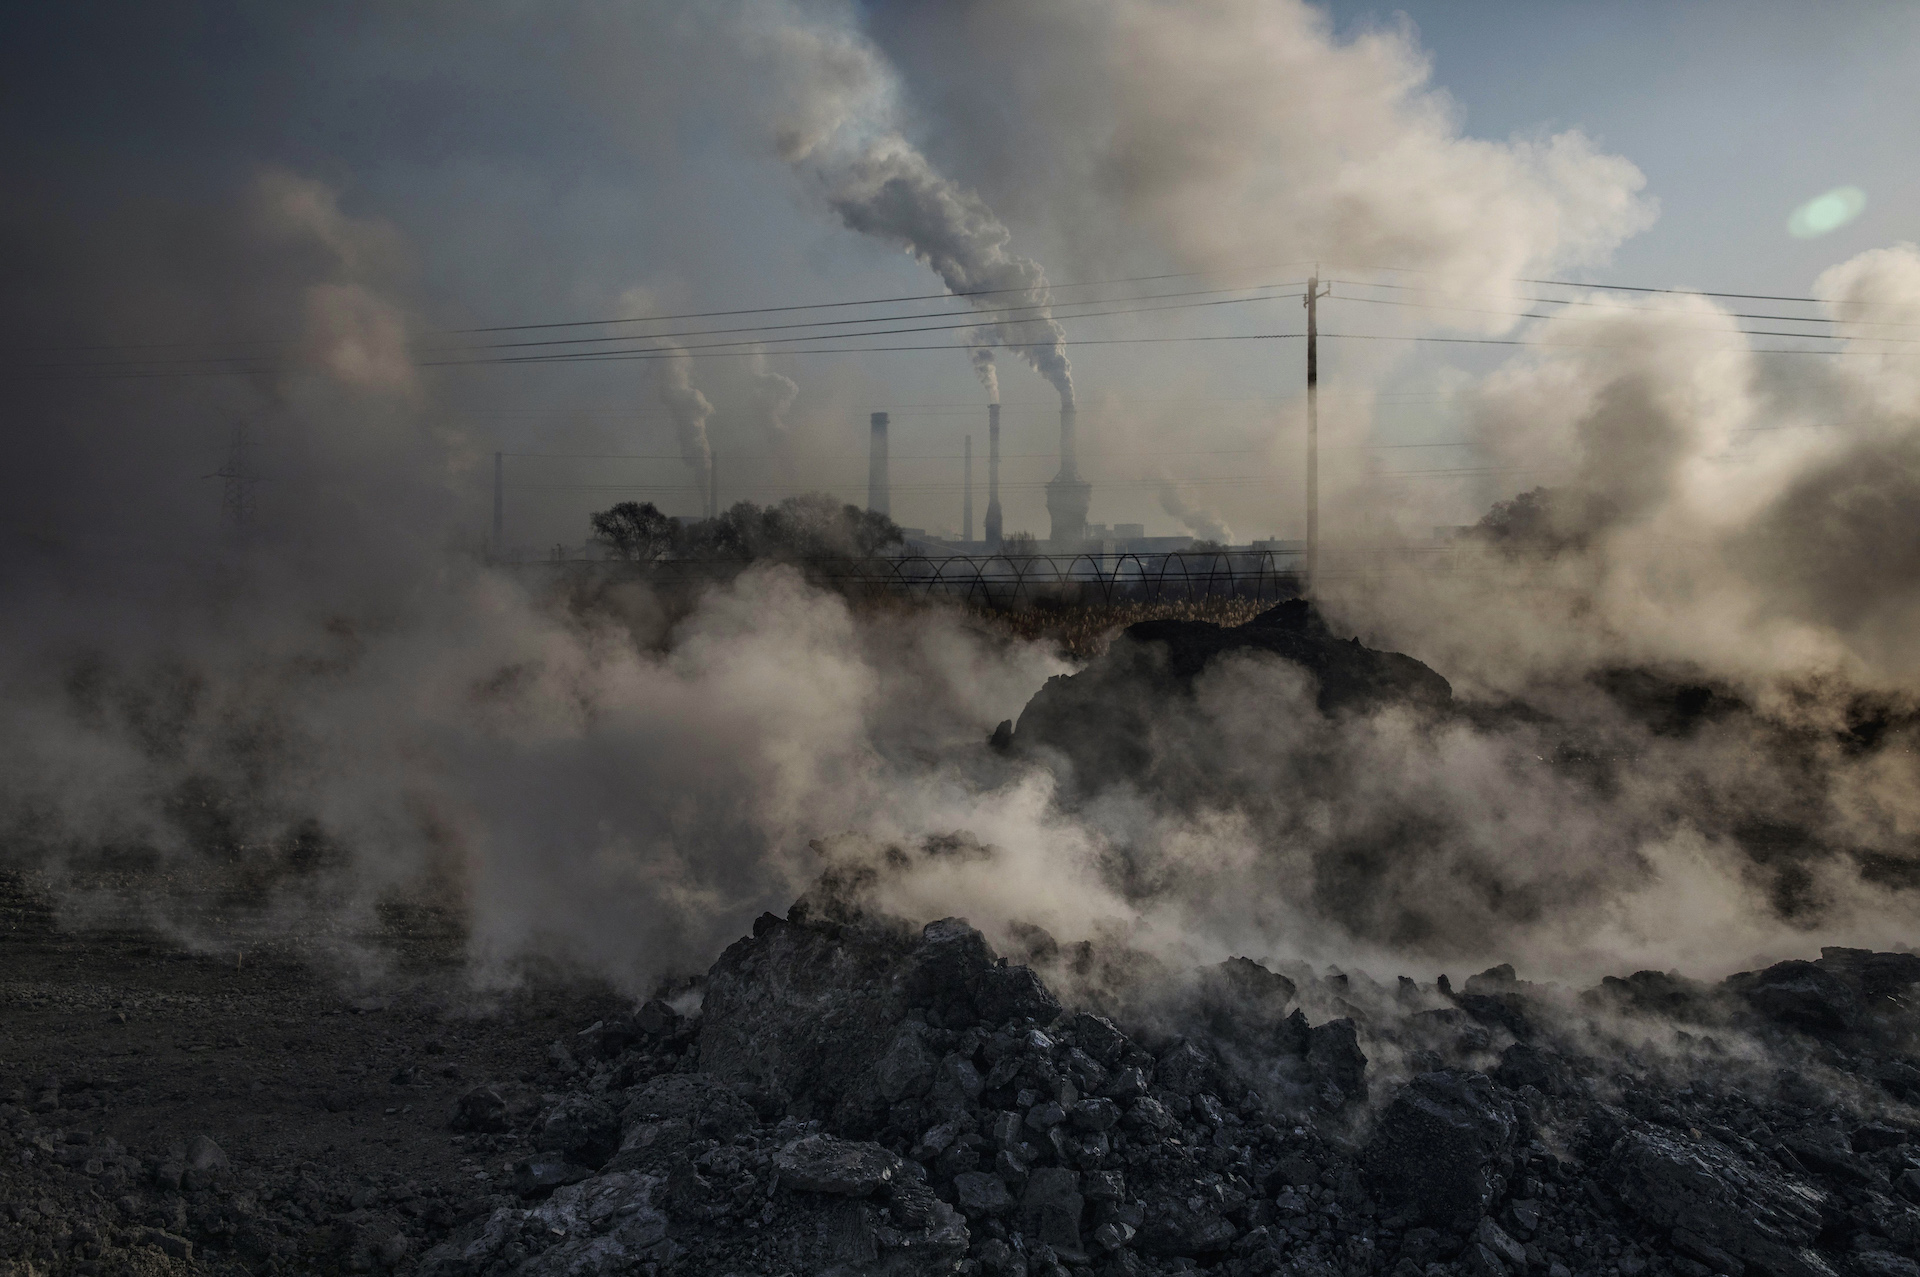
pixel 854 1097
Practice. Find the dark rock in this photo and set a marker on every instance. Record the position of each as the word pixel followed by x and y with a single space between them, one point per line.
pixel 1888 973
pixel 704 1105
pixel 1881 1263
pixel 1800 994
pixel 1333 1052
pixel 1185 1226
pixel 1241 1000
pixel 1095 1115
pixel 1824 1151
pixel 980 1195
pixel 1495 1239
pixel 481 1110
pixel 907 1068
pixel 582 1129
pixel 1050 1209
pixel 166 1243
pixel 1432 1152
pixel 656 1019
pixel 1148 1114
pixel 956 1084
pixel 533 1176
pixel 1523 1064
pixel 1716 1201
pixel 806 1011
pixel 1098 1037
pixel 845 1168
pixel 1875 1136
pixel 1186 1070
pixel 1125 1084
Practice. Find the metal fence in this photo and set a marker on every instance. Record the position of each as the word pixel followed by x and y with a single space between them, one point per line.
pixel 1020 580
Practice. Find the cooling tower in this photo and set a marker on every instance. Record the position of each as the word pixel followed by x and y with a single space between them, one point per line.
pixel 1068 498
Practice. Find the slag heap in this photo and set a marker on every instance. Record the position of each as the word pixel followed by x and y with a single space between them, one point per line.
pixel 856 1097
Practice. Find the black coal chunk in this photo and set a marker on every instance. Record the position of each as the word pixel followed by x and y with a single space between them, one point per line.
pixel 581 1128
pixel 1802 995
pixel 816 1015
pixel 1434 1153
pixel 1717 1203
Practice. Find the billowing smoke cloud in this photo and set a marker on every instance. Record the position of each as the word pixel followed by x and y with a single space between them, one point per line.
pixel 1244 136
pixel 625 779
pixel 844 138
pixel 773 395
pixel 353 331
pixel 689 410
pixel 1201 522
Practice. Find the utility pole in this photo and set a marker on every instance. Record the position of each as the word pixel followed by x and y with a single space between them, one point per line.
pixel 1314 294
pixel 236 497
pixel 499 504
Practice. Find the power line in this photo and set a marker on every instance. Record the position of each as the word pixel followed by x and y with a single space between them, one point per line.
pixel 753 346
pixel 870 301
pixel 1748 332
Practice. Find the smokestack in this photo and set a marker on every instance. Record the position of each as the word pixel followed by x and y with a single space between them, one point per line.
pixel 713 487
pixel 993 476
pixel 1067 497
pixel 878 499
pixel 966 503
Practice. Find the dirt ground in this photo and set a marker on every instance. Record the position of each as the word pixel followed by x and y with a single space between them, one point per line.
pixel 123 1055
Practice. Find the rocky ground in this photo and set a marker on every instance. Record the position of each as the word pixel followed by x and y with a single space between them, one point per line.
pixel 857 1096
pixel 843 1093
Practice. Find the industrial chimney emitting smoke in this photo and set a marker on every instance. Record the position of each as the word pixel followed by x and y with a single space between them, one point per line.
pixel 992 529
pixel 966 502
pixel 878 499
pixel 1068 497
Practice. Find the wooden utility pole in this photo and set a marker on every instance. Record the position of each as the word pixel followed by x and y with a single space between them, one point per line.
pixel 1314 294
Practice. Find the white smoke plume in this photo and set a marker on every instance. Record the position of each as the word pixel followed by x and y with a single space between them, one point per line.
pixel 842 134
pixel 1245 136
pixel 689 410
pixel 1203 523
pixel 988 372
pixel 773 396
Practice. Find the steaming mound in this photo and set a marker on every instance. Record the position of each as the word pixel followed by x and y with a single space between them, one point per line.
pixel 1103 717
pixel 860 1097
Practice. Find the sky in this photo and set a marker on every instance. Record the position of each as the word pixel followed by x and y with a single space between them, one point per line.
pixel 538 166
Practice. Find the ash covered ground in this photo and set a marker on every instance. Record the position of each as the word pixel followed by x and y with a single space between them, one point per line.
pixel 845 1091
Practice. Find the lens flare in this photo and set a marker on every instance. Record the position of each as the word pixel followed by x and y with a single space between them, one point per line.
pixel 1827 213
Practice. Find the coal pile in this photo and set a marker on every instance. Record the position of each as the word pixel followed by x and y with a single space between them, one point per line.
pixel 856 1096
pixel 1103 717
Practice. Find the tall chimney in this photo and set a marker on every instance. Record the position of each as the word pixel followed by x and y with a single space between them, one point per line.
pixel 713 487
pixel 878 499
pixel 1067 496
pixel 992 529
pixel 966 503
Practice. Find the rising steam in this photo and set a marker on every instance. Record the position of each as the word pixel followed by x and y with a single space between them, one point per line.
pixel 624 778
pixel 689 410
